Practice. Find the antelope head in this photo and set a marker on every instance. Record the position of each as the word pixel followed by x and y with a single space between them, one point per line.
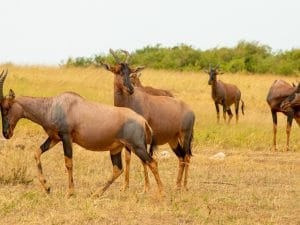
pixel 8 111
pixel 292 101
pixel 213 72
pixel 135 79
pixel 122 72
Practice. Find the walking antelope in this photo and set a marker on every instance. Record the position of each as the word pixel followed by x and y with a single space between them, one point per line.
pixel 70 118
pixel 225 95
pixel 278 92
pixel 172 120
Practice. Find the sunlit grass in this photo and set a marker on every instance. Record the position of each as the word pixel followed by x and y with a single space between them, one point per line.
pixel 251 186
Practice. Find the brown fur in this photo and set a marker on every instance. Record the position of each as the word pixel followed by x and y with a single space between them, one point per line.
pixel 70 118
pixel 278 92
pixel 135 80
pixel 224 94
pixel 172 120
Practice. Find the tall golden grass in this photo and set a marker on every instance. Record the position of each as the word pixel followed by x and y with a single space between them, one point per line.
pixel 252 185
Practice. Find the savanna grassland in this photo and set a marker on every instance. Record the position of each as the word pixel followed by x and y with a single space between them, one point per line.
pixel 252 185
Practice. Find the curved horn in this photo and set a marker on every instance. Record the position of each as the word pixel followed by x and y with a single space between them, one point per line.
pixel 115 56
pixel 127 55
pixel 2 78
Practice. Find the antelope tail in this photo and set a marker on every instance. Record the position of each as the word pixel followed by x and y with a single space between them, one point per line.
pixel 243 107
pixel 150 139
pixel 153 146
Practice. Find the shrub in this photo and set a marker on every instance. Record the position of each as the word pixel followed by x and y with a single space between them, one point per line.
pixel 251 57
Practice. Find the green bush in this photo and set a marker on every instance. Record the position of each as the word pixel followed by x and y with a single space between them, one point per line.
pixel 249 57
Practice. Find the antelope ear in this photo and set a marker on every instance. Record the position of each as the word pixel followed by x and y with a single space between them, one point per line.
pixel 133 75
pixel 138 69
pixel 12 94
pixel 106 66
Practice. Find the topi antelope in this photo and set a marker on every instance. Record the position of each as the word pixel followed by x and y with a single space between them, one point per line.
pixel 225 95
pixel 172 120
pixel 278 93
pixel 70 118
pixel 135 80
pixel 292 102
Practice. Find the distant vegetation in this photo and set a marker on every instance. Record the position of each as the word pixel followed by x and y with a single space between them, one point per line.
pixel 249 57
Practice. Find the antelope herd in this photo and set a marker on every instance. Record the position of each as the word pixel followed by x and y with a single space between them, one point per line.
pixel 141 115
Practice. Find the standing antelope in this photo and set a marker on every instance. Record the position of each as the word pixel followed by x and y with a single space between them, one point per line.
pixel 135 80
pixel 172 120
pixel 70 118
pixel 225 95
pixel 278 92
pixel 292 103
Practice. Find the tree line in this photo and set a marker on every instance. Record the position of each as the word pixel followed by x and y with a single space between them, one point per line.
pixel 247 57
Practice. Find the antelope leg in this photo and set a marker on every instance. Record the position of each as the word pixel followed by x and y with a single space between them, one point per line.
pixel 49 143
pixel 116 160
pixel 68 152
pixel 290 117
pixel 274 118
pixel 127 169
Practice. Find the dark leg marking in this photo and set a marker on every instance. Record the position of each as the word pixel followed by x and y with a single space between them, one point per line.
pixel 180 153
pixel 229 114
pixel 49 143
pixel 67 145
pixel 68 152
pixel 237 105
pixel 116 160
pixel 290 116
pixel 218 111
pixel 46 145
pixel 274 117
pixel 224 110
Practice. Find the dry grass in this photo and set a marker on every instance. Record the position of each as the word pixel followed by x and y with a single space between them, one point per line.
pixel 251 186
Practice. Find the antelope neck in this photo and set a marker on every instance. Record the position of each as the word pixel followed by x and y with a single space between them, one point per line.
pixel 34 109
pixel 214 87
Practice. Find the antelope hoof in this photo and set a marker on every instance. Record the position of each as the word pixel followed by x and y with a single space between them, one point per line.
pixel 178 187
pixel 47 189
pixel 69 193
pixel 162 193
pixel 97 194
pixel 146 189
pixel 124 187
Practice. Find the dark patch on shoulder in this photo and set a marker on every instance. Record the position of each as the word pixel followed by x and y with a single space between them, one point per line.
pixel 59 118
